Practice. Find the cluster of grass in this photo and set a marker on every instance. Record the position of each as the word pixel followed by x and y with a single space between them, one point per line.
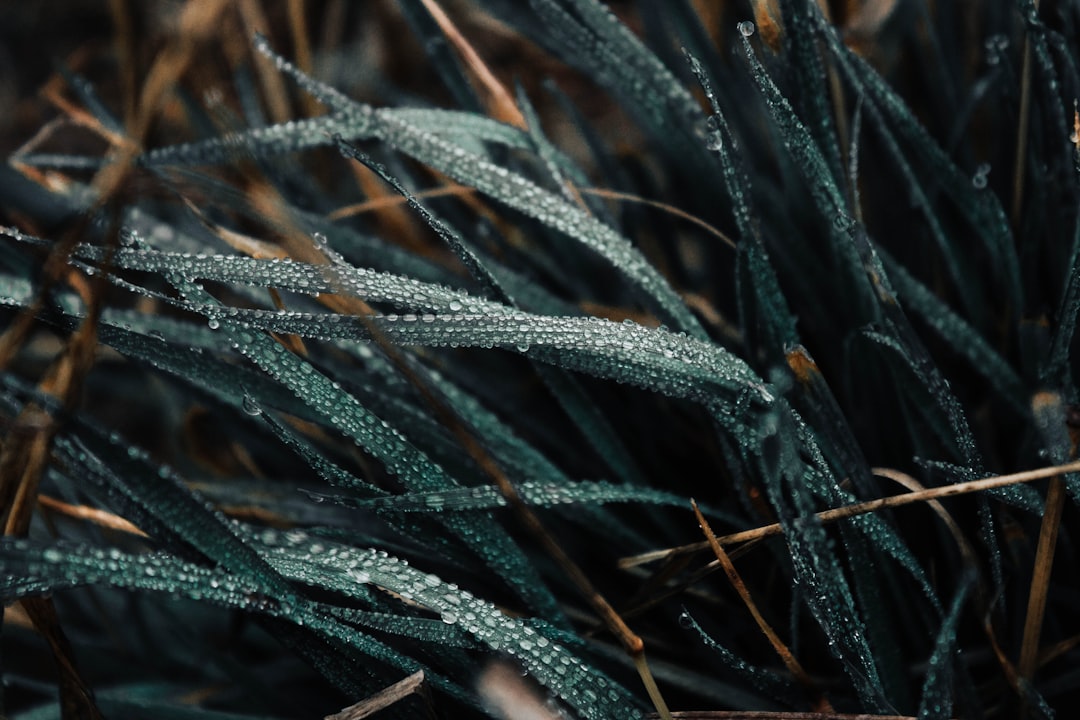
pixel 441 377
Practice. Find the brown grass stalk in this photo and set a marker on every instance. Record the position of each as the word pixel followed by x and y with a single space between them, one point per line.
pixel 1040 581
pixel 848 511
pixel 790 662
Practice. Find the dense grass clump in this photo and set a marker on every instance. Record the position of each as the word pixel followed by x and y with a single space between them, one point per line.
pixel 429 359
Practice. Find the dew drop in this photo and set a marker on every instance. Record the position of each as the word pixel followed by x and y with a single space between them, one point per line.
pixel 702 128
pixel 978 180
pixel 997 42
pixel 250 406
pixel 747 28
pixel 995 46
pixel 685 621
pixel 213 323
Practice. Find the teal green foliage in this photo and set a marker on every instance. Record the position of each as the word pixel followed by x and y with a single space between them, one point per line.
pixel 336 524
pixel 936 697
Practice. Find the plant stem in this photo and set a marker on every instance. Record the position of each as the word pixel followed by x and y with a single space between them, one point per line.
pixel 863 508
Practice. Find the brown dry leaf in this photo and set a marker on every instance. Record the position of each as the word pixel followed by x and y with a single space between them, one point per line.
pixel 272 82
pixel 767 17
pixel 497 100
pixel 101 518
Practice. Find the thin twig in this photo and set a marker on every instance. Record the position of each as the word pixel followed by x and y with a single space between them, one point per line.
pixel 847 511
pixel 302 49
pixel 669 209
pixel 1058 649
pixel 1040 582
pixel 271 81
pixel 1022 130
pixel 786 656
pixel 382 202
pixel 497 100
pixel 659 578
pixel 396 201
pixel 382 699
pixel 902 478
pixel 99 517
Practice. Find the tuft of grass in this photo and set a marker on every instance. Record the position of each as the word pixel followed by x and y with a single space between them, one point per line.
pixel 354 377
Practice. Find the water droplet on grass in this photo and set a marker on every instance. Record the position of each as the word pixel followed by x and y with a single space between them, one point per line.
pixel 843 222
pixel 995 46
pixel 702 128
pixel 978 180
pixel 997 42
pixel 747 28
pixel 250 406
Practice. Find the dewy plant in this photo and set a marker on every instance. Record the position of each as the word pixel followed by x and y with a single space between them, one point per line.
pixel 558 359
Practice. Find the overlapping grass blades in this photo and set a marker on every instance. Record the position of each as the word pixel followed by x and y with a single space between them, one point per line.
pixel 937 701
pixel 44 569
